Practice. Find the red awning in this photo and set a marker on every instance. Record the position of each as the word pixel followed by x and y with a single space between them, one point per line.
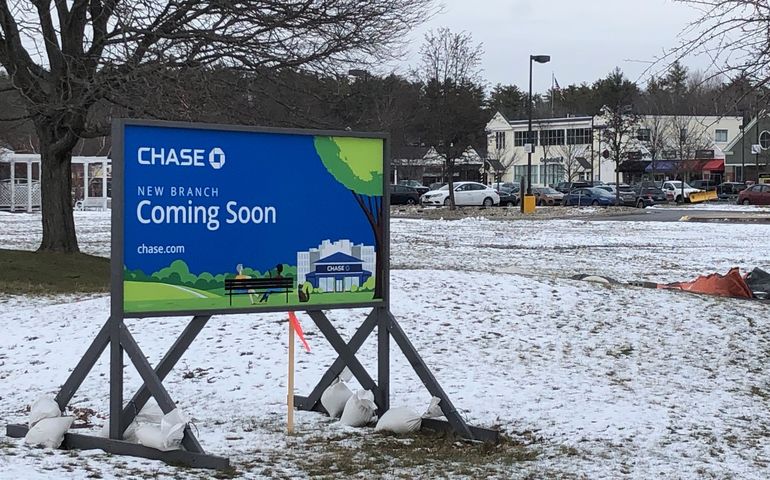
pixel 714 166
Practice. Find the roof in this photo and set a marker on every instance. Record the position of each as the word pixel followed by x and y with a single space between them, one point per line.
pixel 729 148
pixel 495 164
pixel 338 257
pixel 541 121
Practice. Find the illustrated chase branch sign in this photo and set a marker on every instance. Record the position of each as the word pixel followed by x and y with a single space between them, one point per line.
pixel 218 219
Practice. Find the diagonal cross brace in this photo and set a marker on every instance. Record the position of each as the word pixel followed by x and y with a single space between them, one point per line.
pixel 344 351
pixel 84 366
pixel 169 361
pixel 334 371
pixel 427 378
pixel 154 384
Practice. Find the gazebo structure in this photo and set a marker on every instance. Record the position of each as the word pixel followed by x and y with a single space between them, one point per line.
pixel 20 182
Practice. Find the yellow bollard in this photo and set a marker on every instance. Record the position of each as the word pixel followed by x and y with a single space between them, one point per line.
pixel 529 203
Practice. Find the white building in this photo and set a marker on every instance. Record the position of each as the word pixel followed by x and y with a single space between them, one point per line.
pixel 20 181
pixel 574 145
pixel 306 261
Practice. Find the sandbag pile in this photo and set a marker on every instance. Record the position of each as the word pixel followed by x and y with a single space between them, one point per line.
pixel 47 426
pixel 152 428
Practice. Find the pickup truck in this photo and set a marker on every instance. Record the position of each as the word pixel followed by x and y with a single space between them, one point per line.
pixel 673 191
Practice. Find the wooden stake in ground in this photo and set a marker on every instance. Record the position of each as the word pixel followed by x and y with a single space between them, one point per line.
pixel 290 387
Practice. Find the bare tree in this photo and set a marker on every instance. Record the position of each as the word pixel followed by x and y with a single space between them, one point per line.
pixel 63 57
pixel 505 155
pixel 688 135
pixel 453 97
pixel 732 34
pixel 569 159
pixel 619 122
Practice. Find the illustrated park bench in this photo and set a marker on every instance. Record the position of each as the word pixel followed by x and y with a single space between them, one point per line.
pixel 244 286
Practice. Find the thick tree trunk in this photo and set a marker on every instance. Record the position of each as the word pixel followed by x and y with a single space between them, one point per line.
pixel 55 187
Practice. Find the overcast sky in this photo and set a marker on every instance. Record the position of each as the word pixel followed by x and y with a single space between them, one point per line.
pixel 585 38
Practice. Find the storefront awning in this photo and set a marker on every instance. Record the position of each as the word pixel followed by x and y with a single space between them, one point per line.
pixel 663 166
pixel 714 166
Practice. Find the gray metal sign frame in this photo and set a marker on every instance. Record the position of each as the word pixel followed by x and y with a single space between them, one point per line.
pixel 116 335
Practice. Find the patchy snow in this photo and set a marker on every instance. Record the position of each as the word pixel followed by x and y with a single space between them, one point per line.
pixel 618 382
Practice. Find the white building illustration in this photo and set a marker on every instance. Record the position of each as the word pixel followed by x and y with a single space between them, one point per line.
pixel 306 263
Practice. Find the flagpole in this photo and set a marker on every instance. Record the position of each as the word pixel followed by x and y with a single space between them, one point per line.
pixel 290 383
pixel 552 92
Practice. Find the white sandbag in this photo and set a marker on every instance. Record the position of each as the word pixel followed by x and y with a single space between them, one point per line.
pixel 172 427
pixel 49 432
pixel 335 397
pixel 166 436
pixel 150 436
pixel 129 435
pixel 434 410
pixel 405 419
pixel 150 414
pixel 44 407
pixel 399 420
pixel 359 409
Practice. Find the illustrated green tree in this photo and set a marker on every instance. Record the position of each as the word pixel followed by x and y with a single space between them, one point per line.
pixel 357 164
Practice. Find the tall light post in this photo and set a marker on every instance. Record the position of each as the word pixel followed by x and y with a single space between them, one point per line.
pixel 538 59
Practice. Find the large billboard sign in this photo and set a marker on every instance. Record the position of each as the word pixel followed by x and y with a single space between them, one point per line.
pixel 219 219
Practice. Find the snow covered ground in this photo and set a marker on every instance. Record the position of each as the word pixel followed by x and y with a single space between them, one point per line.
pixel 603 382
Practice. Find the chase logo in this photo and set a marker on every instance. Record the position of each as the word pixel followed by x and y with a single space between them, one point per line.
pixel 216 158
pixel 182 157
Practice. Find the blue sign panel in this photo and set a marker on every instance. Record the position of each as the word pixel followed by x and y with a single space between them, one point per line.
pixel 224 219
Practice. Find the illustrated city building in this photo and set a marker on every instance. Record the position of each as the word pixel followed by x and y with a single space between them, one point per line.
pixel 337 266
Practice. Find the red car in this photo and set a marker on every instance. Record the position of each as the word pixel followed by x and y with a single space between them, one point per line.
pixel 755 195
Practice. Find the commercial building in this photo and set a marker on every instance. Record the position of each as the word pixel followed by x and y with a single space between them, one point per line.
pixel 658 147
pixel 748 154
pixel 336 266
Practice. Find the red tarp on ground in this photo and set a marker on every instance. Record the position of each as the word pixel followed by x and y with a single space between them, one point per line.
pixel 730 285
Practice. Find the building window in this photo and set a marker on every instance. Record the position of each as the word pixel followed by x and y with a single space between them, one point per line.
pixel 520 138
pixel 720 136
pixel 500 140
pixel 579 136
pixel 643 134
pixel 552 137
pixel 764 140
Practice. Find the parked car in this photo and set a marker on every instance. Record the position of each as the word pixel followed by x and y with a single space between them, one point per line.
pixel 436 185
pixel 649 195
pixel 505 187
pixel 421 189
pixel 755 195
pixel 730 189
pixel 547 196
pixel 627 195
pixel 704 184
pixel 673 189
pixel 566 187
pixel 509 199
pixel 466 193
pixel 403 195
pixel 589 196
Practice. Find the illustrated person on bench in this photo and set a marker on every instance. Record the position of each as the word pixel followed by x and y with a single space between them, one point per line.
pixel 266 294
pixel 241 276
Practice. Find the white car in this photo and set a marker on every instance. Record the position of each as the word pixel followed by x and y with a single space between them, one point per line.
pixel 466 193
pixel 673 190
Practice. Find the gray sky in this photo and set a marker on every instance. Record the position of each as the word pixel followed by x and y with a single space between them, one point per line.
pixel 585 38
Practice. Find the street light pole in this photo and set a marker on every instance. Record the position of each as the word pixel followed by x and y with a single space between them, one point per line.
pixel 538 59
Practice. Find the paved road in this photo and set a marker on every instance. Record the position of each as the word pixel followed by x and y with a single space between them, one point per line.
pixel 676 214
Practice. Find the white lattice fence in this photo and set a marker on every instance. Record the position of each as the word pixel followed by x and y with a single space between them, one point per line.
pixel 20 196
